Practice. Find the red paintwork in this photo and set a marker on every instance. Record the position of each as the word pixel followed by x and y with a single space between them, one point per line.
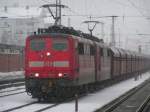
pixel 50 71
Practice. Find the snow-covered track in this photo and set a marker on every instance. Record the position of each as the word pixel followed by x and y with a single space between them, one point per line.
pixel 12 94
pixel 11 84
pixel 16 89
pixel 48 107
pixel 117 102
pixel 19 107
pixel 12 91
pixel 30 104
pixel 11 80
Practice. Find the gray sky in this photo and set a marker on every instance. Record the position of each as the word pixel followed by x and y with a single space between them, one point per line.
pixel 132 18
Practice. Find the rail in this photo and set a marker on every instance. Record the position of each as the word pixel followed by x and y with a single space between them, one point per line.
pixel 117 102
pixel 145 107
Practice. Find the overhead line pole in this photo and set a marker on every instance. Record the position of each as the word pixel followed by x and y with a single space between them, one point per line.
pixel 91 29
pixel 102 30
pixel 60 11
pixel 113 40
pixel 57 15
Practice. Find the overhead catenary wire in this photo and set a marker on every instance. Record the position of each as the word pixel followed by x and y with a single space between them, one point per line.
pixel 75 13
pixel 136 7
pixel 105 16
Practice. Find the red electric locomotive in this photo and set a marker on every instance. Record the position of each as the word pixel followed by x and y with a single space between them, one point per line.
pixel 61 61
pixel 53 64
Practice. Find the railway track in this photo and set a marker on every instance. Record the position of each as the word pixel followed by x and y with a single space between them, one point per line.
pixel 12 91
pixel 30 104
pixel 12 94
pixel 117 102
pixel 15 89
pixel 145 106
pixel 112 106
pixel 19 107
pixel 11 84
pixel 6 81
pixel 48 107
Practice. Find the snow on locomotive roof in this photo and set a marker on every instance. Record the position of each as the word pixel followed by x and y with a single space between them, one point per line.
pixel 69 31
pixel 53 35
pixel 49 34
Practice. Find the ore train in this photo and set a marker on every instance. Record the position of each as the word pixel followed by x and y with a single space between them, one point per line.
pixel 60 61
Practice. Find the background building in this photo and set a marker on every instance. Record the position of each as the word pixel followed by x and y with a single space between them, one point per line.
pixel 15 30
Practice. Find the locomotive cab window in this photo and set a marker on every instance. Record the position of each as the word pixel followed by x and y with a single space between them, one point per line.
pixel 81 48
pixel 60 44
pixel 37 44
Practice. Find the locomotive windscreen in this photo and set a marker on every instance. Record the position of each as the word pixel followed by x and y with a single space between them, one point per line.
pixel 37 44
pixel 60 44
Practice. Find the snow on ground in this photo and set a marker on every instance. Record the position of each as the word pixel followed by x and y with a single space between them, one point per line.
pixel 11 91
pixel 88 103
pixel 18 100
pixel 94 101
pixel 33 108
pixel 11 75
pixel 11 88
pixel 14 101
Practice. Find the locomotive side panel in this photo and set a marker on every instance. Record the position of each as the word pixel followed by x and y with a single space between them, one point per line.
pixel 86 52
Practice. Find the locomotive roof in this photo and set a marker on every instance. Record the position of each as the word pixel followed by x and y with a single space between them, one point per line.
pixel 53 35
pixel 49 34
pixel 67 31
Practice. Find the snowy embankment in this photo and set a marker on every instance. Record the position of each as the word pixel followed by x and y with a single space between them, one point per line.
pixel 11 75
pixel 94 101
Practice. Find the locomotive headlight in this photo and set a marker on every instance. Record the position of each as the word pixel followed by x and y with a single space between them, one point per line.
pixel 60 75
pixel 36 74
pixel 48 53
